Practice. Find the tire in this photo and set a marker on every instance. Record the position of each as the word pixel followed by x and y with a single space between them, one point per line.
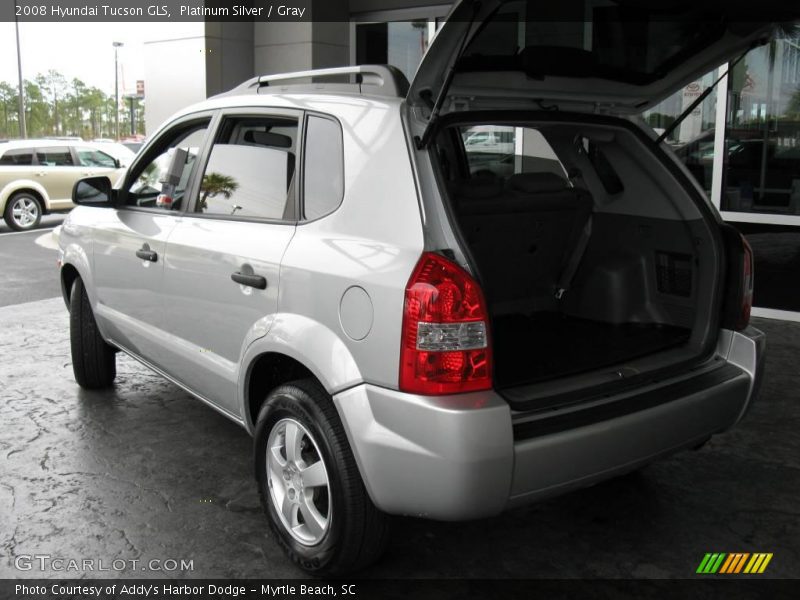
pixel 93 360
pixel 23 211
pixel 350 532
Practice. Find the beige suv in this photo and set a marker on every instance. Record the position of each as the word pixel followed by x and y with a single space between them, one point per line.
pixel 36 177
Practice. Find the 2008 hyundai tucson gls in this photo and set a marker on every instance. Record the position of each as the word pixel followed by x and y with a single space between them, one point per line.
pixel 411 327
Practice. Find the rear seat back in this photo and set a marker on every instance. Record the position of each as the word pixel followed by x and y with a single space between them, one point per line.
pixel 522 233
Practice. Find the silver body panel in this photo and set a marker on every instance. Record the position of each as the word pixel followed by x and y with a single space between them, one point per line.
pixel 452 457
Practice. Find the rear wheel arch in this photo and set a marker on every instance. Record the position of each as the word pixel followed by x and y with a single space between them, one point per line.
pixel 266 372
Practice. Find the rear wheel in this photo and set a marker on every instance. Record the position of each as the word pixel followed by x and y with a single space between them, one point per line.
pixel 93 360
pixel 23 211
pixel 310 486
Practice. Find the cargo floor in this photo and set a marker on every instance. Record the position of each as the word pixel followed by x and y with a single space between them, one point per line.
pixel 547 345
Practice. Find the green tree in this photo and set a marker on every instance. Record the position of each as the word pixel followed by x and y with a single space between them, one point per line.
pixel 8 108
pixel 216 184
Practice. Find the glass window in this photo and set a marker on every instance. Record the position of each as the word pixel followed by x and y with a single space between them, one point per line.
pixel 323 179
pixel 18 156
pixel 502 150
pixel 89 157
pixel 54 157
pixel 693 139
pixel 250 170
pixel 162 182
pixel 762 136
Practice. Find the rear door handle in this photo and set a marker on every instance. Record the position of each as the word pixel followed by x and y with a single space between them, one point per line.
pixel 254 281
pixel 146 254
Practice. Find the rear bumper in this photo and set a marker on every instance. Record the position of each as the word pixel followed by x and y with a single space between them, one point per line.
pixel 467 456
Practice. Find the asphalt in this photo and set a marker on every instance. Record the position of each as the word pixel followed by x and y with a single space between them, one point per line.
pixel 28 270
pixel 144 471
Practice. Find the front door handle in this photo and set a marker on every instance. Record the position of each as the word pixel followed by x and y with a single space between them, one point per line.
pixel 146 254
pixel 254 281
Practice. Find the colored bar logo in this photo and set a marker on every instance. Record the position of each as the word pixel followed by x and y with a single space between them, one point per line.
pixel 734 563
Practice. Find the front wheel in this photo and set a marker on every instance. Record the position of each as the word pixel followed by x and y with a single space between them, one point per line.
pixel 310 486
pixel 23 211
pixel 94 363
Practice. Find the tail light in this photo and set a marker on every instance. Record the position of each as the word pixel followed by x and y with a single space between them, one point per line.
pixel 739 292
pixel 445 338
pixel 747 286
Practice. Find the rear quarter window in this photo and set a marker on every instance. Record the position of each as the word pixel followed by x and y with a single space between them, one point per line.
pixel 17 156
pixel 323 175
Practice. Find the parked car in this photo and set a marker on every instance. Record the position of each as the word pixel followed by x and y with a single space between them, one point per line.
pixel 36 177
pixel 748 163
pixel 318 263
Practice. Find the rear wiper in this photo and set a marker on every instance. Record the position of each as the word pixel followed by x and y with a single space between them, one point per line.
pixel 674 125
pixel 448 79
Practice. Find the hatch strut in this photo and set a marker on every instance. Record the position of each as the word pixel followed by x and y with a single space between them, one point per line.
pixel 448 79
pixel 699 99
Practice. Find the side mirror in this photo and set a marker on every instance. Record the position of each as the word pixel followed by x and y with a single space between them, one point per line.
pixel 117 163
pixel 93 191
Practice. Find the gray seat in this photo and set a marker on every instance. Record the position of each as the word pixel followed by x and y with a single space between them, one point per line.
pixel 522 234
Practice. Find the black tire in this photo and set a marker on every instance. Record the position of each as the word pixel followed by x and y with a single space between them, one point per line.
pixel 357 532
pixel 31 215
pixel 93 360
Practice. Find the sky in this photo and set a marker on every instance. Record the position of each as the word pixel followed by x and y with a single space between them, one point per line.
pixel 82 50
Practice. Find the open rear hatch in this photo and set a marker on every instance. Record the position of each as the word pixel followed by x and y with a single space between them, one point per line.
pixel 602 263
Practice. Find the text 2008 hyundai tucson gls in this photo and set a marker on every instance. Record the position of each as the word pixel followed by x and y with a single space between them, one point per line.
pixel 408 324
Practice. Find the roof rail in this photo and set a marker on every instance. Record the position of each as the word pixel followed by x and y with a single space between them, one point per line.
pixel 374 80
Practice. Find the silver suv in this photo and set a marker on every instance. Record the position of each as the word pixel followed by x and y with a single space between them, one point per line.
pixel 410 328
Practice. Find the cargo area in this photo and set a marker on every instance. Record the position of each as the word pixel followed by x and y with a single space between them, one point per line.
pixel 596 262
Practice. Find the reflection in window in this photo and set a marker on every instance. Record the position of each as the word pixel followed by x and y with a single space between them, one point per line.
pixel 762 146
pixel 250 172
pixel 94 158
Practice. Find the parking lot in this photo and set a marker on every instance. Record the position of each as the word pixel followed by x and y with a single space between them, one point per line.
pixel 145 472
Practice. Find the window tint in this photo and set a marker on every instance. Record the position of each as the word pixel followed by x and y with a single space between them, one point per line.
pixel 89 157
pixel 323 179
pixel 54 157
pixel 18 156
pixel 162 182
pixel 250 170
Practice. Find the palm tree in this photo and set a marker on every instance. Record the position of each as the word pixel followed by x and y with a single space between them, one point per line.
pixel 216 184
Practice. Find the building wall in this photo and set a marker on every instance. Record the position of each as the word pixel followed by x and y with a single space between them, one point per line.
pixel 175 74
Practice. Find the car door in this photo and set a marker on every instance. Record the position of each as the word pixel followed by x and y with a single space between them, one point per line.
pixel 129 246
pixel 56 171
pixel 223 259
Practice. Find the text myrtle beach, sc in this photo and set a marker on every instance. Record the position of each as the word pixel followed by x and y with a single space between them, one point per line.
pixel 164 11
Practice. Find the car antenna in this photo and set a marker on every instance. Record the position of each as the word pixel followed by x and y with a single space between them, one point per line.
pixel 674 125
pixel 422 142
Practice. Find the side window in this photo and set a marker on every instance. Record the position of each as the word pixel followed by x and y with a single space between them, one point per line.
pixel 323 176
pixel 502 151
pixel 18 156
pixel 250 170
pixel 162 182
pixel 56 156
pixel 89 157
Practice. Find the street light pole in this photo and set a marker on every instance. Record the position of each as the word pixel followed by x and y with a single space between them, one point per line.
pixel 116 89
pixel 23 128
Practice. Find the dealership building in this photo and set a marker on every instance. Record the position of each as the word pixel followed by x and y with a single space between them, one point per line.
pixel 742 142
